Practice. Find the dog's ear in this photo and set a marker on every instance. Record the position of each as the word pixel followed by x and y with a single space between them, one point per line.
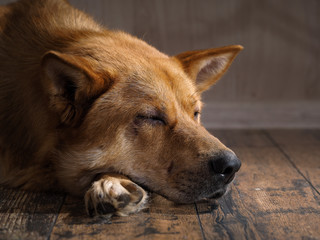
pixel 205 67
pixel 72 85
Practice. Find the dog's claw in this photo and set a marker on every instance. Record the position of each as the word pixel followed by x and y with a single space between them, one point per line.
pixel 112 195
pixel 90 209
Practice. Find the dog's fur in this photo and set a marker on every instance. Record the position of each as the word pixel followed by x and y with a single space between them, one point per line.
pixel 98 113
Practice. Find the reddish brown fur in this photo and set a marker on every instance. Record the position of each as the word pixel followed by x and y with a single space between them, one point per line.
pixel 77 102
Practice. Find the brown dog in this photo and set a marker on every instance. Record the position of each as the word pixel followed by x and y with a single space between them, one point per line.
pixel 97 113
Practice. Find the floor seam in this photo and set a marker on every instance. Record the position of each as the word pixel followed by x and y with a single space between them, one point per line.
pixel 290 160
pixel 200 224
pixel 55 220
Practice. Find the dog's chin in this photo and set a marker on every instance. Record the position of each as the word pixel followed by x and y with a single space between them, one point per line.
pixel 218 194
pixel 181 198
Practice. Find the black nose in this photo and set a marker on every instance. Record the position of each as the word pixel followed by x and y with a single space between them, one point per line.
pixel 225 163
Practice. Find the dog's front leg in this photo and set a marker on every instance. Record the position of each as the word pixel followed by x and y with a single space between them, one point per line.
pixel 114 194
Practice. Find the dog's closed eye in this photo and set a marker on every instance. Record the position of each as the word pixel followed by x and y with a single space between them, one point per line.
pixel 151 119
pixel 151 116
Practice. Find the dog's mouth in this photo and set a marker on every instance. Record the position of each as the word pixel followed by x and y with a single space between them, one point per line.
pixel 230 179
pixel 189 193
pixel 183 198
pixel 223 190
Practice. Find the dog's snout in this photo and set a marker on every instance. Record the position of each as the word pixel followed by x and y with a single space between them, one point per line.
pixel 226 163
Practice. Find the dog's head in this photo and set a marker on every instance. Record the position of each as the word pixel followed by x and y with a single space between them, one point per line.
pixel 138 112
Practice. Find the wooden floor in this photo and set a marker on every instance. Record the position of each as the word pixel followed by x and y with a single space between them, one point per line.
pixel 275 196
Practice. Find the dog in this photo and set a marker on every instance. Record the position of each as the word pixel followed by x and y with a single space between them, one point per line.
pixel 103 115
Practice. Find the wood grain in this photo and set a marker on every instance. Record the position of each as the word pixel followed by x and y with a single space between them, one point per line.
pixel 275 196
pixel 302 149
pixel 162 220
pixel 27 215
pixel 269 199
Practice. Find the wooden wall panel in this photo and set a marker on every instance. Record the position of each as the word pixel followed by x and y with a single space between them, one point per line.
pixel 280 62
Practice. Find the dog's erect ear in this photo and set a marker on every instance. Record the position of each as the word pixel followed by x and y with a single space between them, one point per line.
pixel 72 85
pixel 205 67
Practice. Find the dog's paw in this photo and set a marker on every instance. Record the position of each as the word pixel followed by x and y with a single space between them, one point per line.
pixel 114 195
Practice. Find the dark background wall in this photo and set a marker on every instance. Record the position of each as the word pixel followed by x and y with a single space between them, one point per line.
pixel 274 82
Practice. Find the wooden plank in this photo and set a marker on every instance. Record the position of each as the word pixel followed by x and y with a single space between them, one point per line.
pixel 268 200
pixel 162 220
pixel 271 31
pixel 248 138
pixel 302 148
pixel 27 215
pixel 257 115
